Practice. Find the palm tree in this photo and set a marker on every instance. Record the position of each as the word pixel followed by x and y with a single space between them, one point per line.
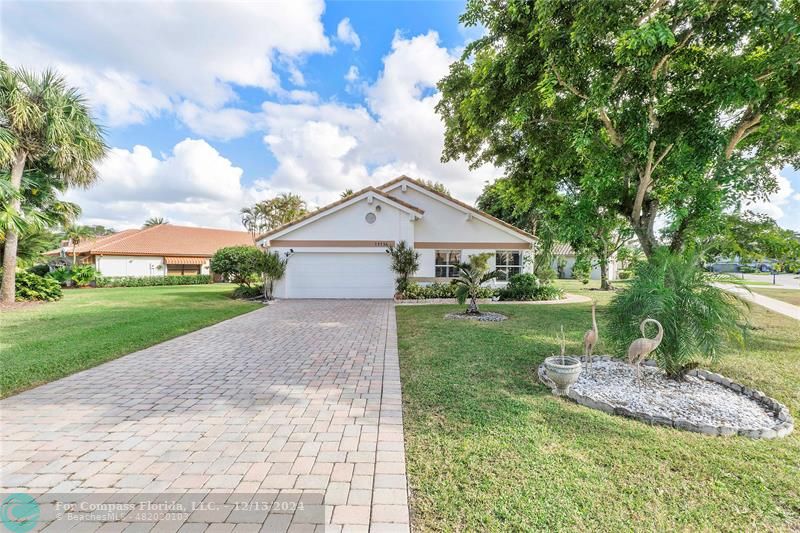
pixel 154 221
pixel 346 194
pixel 274 269
pixel 471 275
pixel 77 235
pixel 42 121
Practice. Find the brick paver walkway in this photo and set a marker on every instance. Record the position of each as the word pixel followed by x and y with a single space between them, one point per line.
pixel 297 404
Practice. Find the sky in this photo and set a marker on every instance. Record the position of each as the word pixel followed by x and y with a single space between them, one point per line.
pixel 210 106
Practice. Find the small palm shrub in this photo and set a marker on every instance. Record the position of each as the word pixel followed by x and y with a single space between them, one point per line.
pixel 274 269
pixel 526 287
pixel 62 275
pixel 405 261
pixel 471 275
pixel 83 275
pixel 699 319
pixel 30 287
pixel 245 292
pixel 415 291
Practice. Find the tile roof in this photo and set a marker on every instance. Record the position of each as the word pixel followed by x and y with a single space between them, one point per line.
pixel 165 240
pixel 561 248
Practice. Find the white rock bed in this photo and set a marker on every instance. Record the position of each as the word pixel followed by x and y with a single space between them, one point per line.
pixel 485 316
pixel 704 402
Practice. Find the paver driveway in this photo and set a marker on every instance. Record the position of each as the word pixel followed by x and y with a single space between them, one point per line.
pixel 298 404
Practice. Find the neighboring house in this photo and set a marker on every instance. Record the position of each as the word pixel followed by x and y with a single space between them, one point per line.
pixel 163 250
pixel 562 251
pixel 339 251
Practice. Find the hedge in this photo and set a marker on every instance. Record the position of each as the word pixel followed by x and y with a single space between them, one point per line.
pixel 30 287
pixel 151 281
pixel 415 291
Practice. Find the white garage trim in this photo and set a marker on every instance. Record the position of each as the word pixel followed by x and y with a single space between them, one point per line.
pixel 340 274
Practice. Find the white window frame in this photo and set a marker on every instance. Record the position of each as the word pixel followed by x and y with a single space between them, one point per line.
pixel 508 269
pixel 451 268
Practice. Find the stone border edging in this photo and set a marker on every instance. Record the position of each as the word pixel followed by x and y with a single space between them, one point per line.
pixel 568 299
pixel 784 427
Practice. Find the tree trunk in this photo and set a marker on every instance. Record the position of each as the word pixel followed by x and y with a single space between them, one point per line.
pixel 472 309
pixel 7 292
pixel 604 284
pixel 644 228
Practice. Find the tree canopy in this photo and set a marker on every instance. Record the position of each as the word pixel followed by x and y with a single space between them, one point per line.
pixel 272 213
pixel 752 236
pixel 651 108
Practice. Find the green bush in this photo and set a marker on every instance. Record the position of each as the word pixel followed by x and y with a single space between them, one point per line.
pixel 62 275
pixel 747 269
pixel 243 291
pixel 624 274
pixel 30 287
pixel 582 269
pixel 414 291
pixel 699 319
pixel 83 275
pixel 151 281
pixel 42 269
pixel 239 264
pixel 525 287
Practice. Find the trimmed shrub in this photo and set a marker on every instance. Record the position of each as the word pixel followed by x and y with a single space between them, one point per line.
pixel 525 287
pixel 239 264
pixel 414 291
pixel 151 281
pixel 624 274
pixel 30 287
pixel 62 275
pixel 747 269
pixel 582 269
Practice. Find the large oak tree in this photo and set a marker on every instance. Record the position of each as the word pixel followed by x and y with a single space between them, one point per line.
pixel 670 109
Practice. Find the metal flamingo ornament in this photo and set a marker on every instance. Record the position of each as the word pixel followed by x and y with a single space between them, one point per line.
pixel 590 338
pixel 641 348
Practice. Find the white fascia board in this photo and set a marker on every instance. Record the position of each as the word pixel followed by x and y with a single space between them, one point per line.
pixel 460 208
pixel 348 203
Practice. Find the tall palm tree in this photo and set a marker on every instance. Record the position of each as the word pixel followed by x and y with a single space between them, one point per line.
pixel 154 221
pixel 471 275
pixel 42 120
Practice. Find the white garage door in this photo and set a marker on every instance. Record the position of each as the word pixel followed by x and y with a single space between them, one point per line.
pixel 340 275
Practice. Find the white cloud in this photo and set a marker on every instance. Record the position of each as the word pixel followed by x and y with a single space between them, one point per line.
pixel 323 149
pixel 352 74
pixel 193 185
pixel 347 34
pixel 133 58
pixel 774 207
pixel 226 123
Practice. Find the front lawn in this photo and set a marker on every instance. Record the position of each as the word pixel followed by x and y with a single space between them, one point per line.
pixel 489 448
pixel 47 341
pixel 790 296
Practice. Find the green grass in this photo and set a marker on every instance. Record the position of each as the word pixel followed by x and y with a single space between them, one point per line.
pixel 490 449
pixel 88 327
pixel 790 296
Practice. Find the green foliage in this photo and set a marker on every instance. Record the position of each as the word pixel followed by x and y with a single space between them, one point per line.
pixel 650 110
pixel 752 237
pixel 791 266
pixel 272 213
pixel 624 274
pixel 414 291
pixel 61 274
pixel 154 221
pixel 151 281
pixel 30 287
pixel 83 275
pixel 239 264
pixel 243 292
pixel 526 287
pixel 471 276
pixel 405 261
pixel 747 269
pixel 699 319
pixel 42 269
pixel 274 269
pixel 582 269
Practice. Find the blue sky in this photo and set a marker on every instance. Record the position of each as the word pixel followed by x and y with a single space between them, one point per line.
pixel 212 106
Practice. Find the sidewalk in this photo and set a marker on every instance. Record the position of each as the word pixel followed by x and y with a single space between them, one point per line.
pixel 792 311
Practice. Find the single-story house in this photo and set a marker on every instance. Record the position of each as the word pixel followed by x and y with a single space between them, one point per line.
pixel 339 251
pixel 162 250
pixel 563 251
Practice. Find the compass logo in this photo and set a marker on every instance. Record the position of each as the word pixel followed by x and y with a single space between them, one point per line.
pixel 19 513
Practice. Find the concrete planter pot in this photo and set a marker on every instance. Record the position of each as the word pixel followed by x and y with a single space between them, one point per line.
pixel 563 371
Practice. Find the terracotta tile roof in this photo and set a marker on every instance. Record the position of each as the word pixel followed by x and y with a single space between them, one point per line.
pixel 339 202
pixel 167 240
pixel 85 246
pixel 462 204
